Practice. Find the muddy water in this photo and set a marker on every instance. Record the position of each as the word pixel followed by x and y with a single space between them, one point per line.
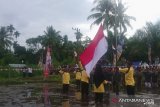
pixel 49 95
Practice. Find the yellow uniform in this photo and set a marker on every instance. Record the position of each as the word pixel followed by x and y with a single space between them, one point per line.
pixel 100 89
pixel 84 85
pixel 78 75
pixel 84 77
pixel 129 77
pixel 65 81
pixel 65 78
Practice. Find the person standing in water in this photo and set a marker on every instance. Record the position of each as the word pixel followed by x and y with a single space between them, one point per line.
pixel 65 80
pixel 129 78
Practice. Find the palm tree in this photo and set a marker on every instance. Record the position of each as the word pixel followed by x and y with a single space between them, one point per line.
pixel 113 15
pixel 103 11
pixel 11 29
pixel 16 33
pixel 52 37
pixel 5 39
pixel 122 19
pixel 78 34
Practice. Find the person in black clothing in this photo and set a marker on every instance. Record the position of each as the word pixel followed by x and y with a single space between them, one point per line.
pixel 116 80
pixel 139 79
pixel 108 77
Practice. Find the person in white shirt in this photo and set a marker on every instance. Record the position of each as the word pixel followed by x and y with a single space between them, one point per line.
pixel 30 72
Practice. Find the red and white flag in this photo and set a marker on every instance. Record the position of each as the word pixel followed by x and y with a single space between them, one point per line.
pixel 47 63
pixel 94 51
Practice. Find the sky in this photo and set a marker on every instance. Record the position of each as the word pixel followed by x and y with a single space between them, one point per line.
pixel 31 17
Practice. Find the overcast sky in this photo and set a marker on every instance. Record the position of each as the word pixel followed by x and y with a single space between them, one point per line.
pixel 31 17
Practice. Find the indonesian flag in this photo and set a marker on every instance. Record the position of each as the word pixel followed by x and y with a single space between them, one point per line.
pixel 47 63
pixel 94 51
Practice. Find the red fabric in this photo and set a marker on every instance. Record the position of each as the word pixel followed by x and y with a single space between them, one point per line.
pixel 88 53
pixel 47 63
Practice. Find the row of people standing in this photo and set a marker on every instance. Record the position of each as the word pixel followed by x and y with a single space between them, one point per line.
pixel 144 78
pixel 147 77
pixel 83 82
pixel 99 81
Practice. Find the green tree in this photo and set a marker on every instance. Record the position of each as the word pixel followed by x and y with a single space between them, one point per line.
pixel 6 39
pixel 113 15
pixel 51 37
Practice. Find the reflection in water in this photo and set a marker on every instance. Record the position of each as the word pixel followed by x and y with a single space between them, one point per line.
pixel 47 102
pixel 78 95
pixel 49 95
pixel 28 93
pixel 65 101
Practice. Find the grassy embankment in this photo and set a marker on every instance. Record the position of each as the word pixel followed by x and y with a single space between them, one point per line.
pixel 10 76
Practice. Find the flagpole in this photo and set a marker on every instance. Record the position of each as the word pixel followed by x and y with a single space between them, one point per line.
pixel 115 30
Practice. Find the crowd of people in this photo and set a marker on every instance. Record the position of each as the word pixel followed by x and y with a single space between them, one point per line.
pixel 108 79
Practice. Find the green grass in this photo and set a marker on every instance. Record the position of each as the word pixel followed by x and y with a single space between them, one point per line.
pixel 14 77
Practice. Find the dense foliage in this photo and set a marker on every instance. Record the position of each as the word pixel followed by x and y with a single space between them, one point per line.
pixel 62 49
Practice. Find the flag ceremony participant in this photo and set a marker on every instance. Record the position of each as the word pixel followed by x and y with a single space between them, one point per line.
pixel 65 80
pixel 129 78
pixel 78 78
pixel 98 80
pixel 116 80
pixel 84 85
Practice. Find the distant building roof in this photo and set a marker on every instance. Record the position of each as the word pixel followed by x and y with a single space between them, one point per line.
pixel 17 65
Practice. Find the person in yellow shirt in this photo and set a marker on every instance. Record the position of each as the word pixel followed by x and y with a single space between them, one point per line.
pixel 78 78
pixel 84 85
pixel 98 84
pixel 65 80
pixel 129 78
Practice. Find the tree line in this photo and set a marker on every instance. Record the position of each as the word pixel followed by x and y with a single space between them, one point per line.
pixel 115 21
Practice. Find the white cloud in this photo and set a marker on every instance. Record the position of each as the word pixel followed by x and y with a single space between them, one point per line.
pixel 31 17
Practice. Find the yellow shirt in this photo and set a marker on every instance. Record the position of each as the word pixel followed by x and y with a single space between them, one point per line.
pixel 84 77
pixel 66 103
pixel 100 89
pixel 65 78
pixel 129 77
pixel 78 75
pixel 78 95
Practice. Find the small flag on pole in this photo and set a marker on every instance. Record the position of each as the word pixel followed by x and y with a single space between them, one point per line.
pixel 94 51
pixel 149 53
pixel 118 52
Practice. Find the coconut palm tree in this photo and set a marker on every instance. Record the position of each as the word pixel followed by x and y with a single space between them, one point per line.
pixel 113 14
pixel 11 29
pixel 16 34
pixel 122 19
pixel 6 39
pixel 103 11
pixel 51 37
